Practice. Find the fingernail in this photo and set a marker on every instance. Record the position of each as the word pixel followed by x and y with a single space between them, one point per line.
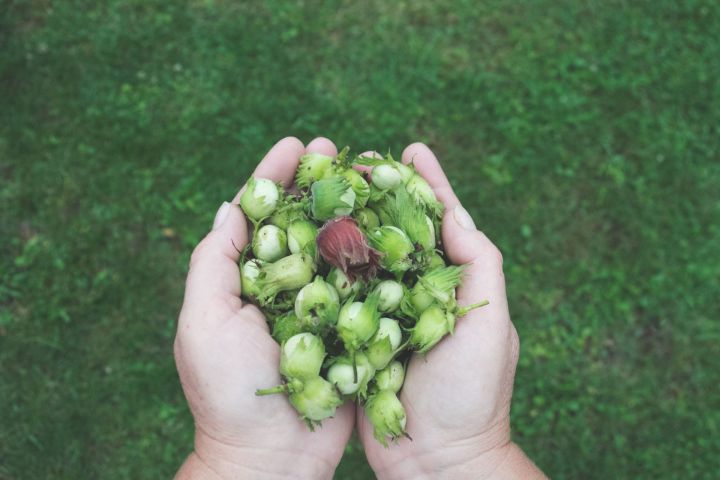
pixel 221 215
pixel 463 218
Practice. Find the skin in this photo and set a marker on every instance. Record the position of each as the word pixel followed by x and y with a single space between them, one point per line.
pixel 457 401
pixel 224 352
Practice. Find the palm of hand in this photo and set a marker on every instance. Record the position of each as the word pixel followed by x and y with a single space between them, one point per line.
pixel 456 397
pixel 222 363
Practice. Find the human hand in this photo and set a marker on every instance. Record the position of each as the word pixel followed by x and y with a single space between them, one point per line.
pixel 224 352
pixel 457 399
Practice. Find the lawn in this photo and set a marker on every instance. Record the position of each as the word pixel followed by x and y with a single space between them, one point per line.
pixel 583 136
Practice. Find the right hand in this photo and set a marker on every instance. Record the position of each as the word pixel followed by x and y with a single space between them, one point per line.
pixel 457 400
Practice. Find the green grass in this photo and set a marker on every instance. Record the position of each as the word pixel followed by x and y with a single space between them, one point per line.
pixel 584 137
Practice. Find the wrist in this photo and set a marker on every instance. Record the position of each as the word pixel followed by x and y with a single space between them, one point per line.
pixel 505 462
pixel 475 457
pixel 215 459
pixel 516 464
pixel 443 466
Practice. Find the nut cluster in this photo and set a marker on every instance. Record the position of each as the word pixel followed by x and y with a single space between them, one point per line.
pixel 352 279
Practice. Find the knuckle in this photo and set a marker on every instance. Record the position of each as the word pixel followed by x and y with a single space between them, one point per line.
pixel 445 194
pixel 488 253
pixel 514 344
pixel 176 346
pixel 493 258
pixel 514 338
pixel 496 256
pixel 198 252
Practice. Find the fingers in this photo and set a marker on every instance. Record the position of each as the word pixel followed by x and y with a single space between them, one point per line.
pixel 279 164
pixel 322 145
pixel 213 266
pixel 429 168
pixel 281 161
pixel 371 154
pixel 463 242
pixel 214 272
pixel 364 168
pixel 483 278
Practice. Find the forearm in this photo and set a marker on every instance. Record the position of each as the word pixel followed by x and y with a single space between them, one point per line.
pixel 503 463
pixel 213 460
pixel 516 465
pixel 508 462
pixel 195 469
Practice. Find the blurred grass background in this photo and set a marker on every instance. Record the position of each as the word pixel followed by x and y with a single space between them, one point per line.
pixel 584 137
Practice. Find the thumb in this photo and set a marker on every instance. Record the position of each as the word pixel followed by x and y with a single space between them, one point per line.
pixel 214 272
pixel 483 279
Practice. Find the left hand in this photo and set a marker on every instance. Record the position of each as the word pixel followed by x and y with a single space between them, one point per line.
pixel 224 352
